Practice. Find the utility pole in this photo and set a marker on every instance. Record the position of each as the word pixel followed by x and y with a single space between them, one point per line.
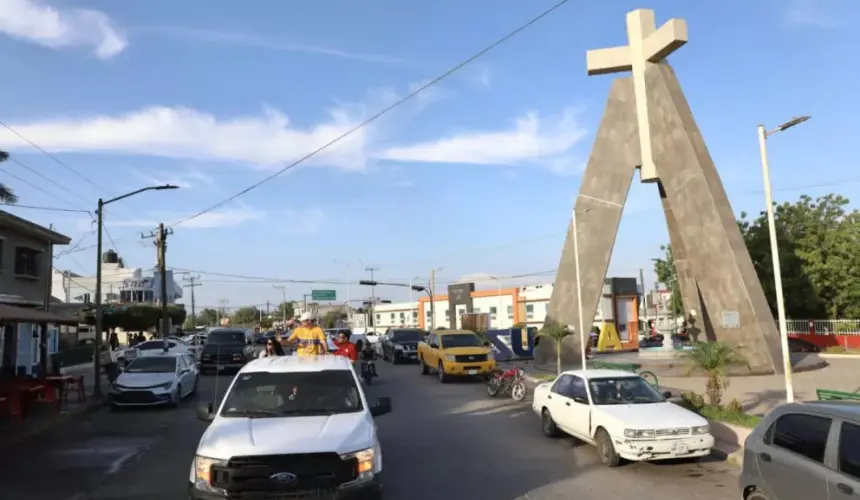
pixel 193 282
pixel 283 290
pixel 222 310
pixel 161 244
pixel 372 269
pixel 433 300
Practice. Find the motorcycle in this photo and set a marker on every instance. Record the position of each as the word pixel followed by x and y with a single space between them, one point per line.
pixel 368 369
pixel 511 382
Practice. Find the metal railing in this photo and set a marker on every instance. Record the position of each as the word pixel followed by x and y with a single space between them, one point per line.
pixel 824 326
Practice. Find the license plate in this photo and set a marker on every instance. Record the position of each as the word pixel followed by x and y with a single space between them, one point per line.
pixel 679 448
pixel 473 372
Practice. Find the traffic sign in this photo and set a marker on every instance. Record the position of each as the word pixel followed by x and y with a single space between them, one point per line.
pixel 324 295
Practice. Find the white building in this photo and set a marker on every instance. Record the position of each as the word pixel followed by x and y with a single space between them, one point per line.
pixel 119 284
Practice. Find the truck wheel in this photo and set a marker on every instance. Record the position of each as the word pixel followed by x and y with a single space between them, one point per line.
pixel 440 372
pixel 424 368
pixel 606 450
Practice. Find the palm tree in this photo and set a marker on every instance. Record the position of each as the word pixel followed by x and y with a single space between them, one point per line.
pixel 714 358
pixel 6 194
pixel 556 333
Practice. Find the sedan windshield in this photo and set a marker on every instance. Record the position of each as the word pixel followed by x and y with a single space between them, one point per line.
pixel 623 391
pixel 262 394
pixel 226 337
pixel 152 364
pixel 461 340
pixel 407 336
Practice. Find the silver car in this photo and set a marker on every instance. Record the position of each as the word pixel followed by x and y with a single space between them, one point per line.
pixel 804 451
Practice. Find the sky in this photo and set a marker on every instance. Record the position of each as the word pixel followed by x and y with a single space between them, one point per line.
pixel 474 176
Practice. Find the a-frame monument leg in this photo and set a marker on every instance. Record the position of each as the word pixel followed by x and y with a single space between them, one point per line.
pixel 598 207
pixel 732 299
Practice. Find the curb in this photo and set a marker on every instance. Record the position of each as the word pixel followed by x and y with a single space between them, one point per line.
pixel 838 356
pixel 26 432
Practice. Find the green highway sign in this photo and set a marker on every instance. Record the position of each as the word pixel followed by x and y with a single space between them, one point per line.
pixel 323 295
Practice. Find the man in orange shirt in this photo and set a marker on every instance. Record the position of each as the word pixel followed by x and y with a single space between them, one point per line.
pixel 345 348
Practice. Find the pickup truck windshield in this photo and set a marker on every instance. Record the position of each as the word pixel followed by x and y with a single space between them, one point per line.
pixel 407 335
pixel 152 345
pixel 279 394
pixel 226 337
pixel 465 340
pixel 623 391
pixel 152 364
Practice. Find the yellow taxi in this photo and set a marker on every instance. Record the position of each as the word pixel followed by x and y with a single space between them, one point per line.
pixel 453 353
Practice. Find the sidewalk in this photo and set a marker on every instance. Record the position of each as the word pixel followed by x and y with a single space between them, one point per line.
pixel 43 418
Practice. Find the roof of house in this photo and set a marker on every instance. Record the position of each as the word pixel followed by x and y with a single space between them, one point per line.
pixel 33 229
pixel 29 315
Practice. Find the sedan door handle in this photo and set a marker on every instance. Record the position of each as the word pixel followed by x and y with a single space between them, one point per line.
pixel 765 457
pixel 844 488
pixel 567 403
pixel 549 397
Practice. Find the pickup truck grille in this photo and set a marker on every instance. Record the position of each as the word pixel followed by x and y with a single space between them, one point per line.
pixel 317 475
pixel 221 358
pixel 470 358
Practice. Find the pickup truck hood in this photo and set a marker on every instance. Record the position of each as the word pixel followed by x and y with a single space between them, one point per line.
pixel 230 437
pixel 224 348
pixel 653 416
pixel 457 351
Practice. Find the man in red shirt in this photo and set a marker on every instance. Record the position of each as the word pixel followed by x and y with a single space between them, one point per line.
pixel 345 348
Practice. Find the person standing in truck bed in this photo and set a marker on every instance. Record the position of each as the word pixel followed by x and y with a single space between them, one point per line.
pixel 310 339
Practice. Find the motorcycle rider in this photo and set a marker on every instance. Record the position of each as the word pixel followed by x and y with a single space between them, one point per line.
pixel 367 355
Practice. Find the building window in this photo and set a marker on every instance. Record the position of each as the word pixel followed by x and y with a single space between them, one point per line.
pixel 492 310
pixel 510 312
pixel 392 317
pixel 530 311
pixel 415 314
pixel 27 262
pixel 378 317
pixel 477 310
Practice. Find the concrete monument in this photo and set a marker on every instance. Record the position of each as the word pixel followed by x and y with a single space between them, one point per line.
pixel 648 125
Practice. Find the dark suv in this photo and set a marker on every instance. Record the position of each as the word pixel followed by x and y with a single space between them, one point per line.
pixel 401 344
pixel 226 349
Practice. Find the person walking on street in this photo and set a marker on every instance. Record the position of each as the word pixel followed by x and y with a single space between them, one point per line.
pixel 310 339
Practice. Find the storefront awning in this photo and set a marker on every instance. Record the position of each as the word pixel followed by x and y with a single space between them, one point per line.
pixel 25 315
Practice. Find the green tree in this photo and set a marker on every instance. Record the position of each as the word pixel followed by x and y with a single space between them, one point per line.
pixel 6 194
pixel 246 316
pixel 666 273
pixel 557 334
pixel 207 317
pixel 714 358
pixel 284 310
pixel 820 265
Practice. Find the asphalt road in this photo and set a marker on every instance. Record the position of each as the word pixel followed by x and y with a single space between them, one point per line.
pixel 441 441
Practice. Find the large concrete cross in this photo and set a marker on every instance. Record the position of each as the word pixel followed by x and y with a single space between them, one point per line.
pixel 647 45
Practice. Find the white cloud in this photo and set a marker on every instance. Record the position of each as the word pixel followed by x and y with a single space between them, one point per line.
pixel 268 140
pixel 816 13
pixel 190 179
pixel 263 42
pixel 209 220
pixel 531 141
pixel 56 27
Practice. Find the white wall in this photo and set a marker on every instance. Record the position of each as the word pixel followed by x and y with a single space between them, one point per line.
pixel 402 314
pixel 71 288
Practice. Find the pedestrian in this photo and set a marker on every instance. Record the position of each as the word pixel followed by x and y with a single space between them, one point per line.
pixel 310 339
pixel 345 348
pixel 273 348
pixel 113 339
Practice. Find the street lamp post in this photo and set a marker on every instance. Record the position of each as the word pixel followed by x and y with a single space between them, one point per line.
pixel 97 383
pixel 774 250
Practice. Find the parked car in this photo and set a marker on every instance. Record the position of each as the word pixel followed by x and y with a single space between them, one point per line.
pixel 150 347
pixel 455 353
pixel 284 416
pixel 622 415
pixel 161 378
pixel 804 451
pixel 226 349
pixel 401 344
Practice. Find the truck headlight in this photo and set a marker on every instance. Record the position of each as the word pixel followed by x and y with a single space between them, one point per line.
pixel 639 433
pixel 450 357
pixel 364 462
pixel 702 429
pixel 203 472
pixel 398 347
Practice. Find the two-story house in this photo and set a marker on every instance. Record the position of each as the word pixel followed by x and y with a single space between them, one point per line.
pixel 27 327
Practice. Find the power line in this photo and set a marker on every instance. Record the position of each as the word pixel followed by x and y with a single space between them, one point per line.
pixel 36 187
pixel 45 177
pixel 51 209
pixel 379 114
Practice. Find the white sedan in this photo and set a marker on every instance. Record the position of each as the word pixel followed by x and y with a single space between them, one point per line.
pixel 622 415
pixel 162 378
